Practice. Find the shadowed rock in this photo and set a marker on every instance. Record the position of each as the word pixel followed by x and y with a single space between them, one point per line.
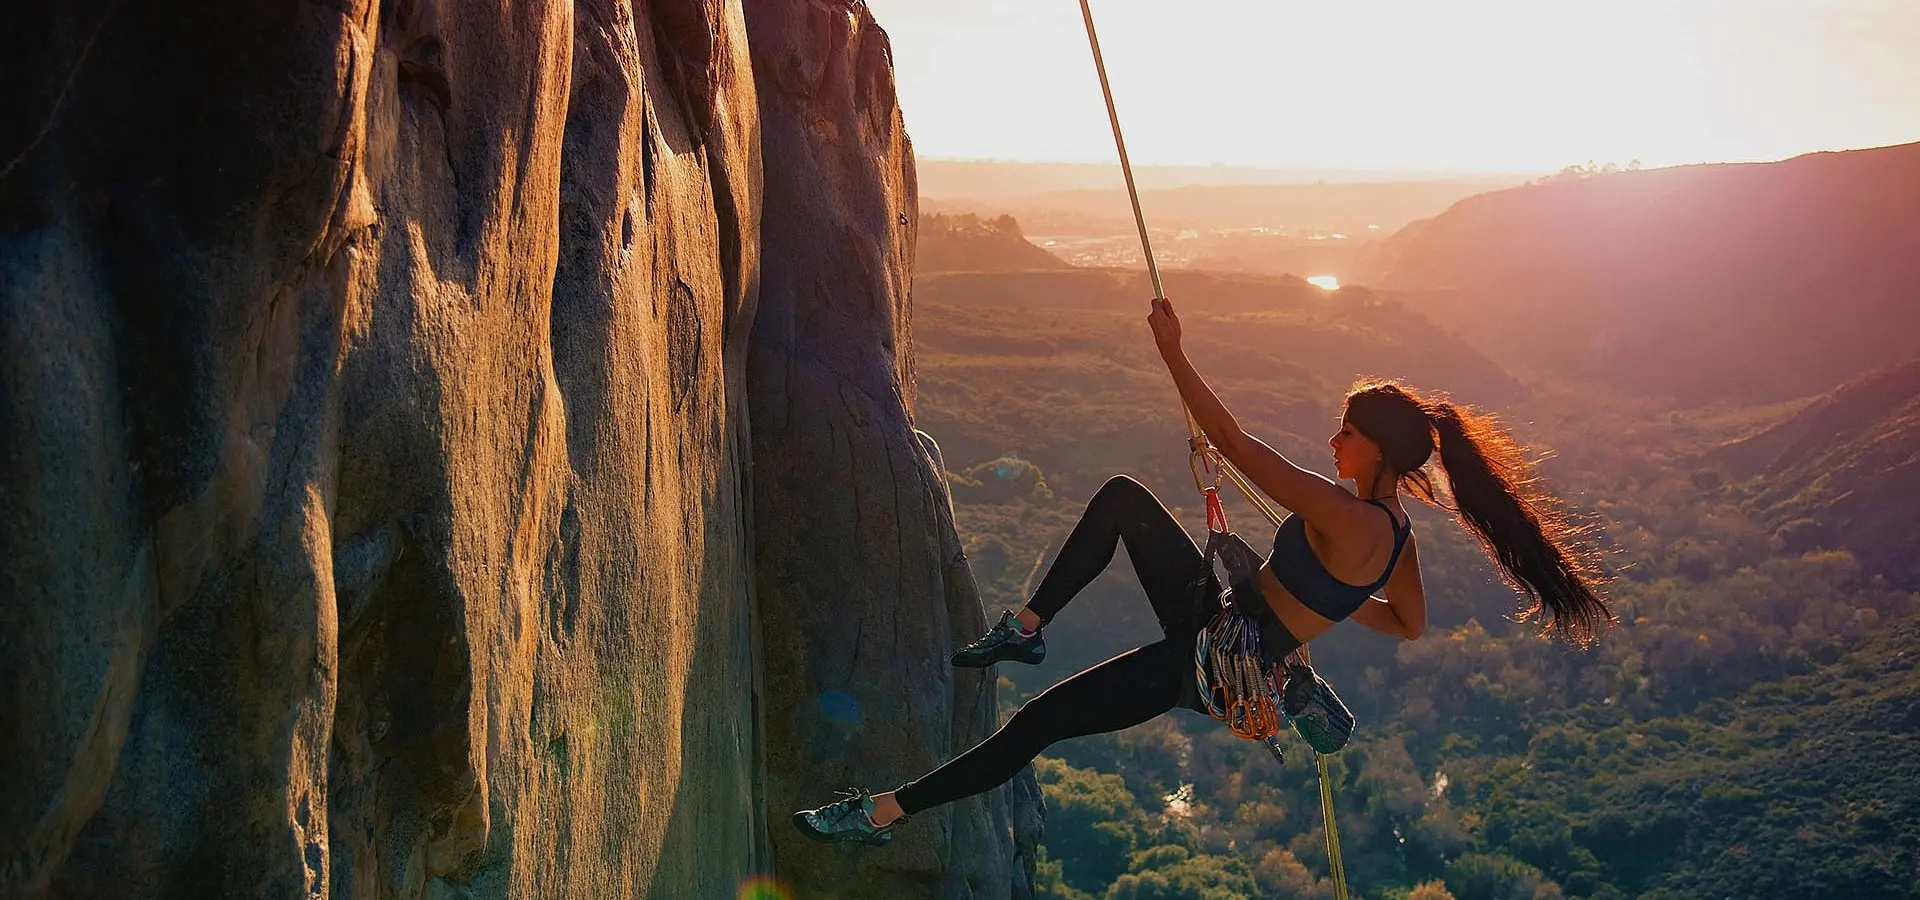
pixel 374 460
pixel 372 508
pixel 852 518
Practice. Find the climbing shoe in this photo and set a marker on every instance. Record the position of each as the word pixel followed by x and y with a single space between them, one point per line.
pixel 846 819
pixel 1002 643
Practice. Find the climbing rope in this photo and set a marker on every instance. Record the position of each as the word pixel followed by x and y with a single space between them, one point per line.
pixel 1246 715
pixel 1120 141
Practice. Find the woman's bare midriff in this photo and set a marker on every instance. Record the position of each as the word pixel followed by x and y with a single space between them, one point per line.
pixel 1303 622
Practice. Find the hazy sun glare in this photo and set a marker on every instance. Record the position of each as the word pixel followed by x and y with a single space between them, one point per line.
pixel 1512 85
pixel 1325 282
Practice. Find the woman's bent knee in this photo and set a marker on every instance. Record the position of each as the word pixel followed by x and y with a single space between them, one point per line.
pixel 1126 490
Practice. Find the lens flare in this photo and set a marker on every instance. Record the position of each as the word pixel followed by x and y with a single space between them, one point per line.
pixel 841 707
pixel 764 887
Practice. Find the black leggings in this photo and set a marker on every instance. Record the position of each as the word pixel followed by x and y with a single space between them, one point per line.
pixel 1123 691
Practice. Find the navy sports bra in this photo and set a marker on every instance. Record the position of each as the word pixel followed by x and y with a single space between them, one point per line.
pixel 1309 581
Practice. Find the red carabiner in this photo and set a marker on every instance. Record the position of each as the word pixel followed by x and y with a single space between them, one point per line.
pixel 1216 511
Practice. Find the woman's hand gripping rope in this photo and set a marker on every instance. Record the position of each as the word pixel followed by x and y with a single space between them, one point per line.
pixel 1165 325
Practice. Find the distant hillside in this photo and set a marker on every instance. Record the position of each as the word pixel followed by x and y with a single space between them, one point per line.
pixel 1752 282
pixel 982 179
pixel 1844 473
pixel 969 243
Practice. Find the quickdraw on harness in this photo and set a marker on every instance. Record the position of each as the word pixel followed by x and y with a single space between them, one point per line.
pixel 1248 703
pixel 1234 682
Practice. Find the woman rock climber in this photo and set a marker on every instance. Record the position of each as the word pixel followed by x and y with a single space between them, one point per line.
pixel 1337 548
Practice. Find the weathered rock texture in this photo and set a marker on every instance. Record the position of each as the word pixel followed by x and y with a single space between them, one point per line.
pixel 373 510
pixel 852 515
pixel 373 454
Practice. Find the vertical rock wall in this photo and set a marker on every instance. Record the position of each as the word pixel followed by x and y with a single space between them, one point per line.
pixel 861 580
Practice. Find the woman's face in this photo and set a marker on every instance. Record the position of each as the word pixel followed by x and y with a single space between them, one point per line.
pixel 1355 455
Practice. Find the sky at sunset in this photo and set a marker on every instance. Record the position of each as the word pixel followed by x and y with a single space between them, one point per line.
pixel 1455 85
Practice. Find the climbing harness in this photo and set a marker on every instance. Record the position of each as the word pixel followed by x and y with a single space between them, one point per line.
pixel 1238 680
pixel 1234 681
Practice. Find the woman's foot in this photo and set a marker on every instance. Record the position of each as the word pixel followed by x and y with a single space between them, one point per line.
pixel 1006 641
pixel 851 818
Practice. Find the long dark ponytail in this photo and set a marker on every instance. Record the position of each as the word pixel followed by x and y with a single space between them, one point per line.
pixel 1497 495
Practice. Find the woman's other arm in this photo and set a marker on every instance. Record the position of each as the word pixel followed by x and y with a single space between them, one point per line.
pixel 1403 611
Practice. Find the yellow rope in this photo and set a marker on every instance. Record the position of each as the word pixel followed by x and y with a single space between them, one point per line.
pixel 1120 142
pixel 1259 502
pixel 1199 438
pixel 1337 868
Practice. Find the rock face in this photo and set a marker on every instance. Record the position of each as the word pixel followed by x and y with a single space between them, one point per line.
pixel 373 450
pixel 852 516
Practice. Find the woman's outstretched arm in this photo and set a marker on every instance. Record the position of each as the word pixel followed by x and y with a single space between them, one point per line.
pixel 1323 503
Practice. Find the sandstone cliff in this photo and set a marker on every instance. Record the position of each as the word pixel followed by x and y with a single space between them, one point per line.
pixel 374 448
